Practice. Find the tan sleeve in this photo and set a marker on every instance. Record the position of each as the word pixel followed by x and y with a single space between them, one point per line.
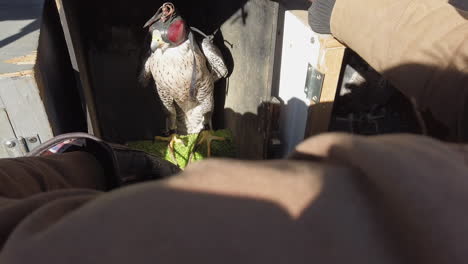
pixel 420 183
pixel 389 199
pixel 421 46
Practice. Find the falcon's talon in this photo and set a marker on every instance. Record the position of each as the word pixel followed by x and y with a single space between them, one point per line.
pixel 172 139
pixel 207 136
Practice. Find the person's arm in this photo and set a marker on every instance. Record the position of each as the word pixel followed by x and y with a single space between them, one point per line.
pixel 339 199
pixel 420 46
pixel 419 186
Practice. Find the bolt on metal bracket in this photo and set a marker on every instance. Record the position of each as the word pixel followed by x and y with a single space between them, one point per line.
pixel 314 84
pixel 32 143
pixel 19 147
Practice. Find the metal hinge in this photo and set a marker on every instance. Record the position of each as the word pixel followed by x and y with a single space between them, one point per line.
pixel 21 146
pixel 314 83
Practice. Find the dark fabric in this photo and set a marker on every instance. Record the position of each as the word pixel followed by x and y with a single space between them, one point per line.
pixel 65 181
pixel 27 184
pixel 15 211
pixel 320 16
pixel 21 178
pixel 137 166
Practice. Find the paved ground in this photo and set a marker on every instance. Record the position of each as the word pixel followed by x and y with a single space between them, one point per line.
pixel 19 32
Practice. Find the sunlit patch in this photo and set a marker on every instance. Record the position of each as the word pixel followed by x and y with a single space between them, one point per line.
pixel 23 60
pixel 293 187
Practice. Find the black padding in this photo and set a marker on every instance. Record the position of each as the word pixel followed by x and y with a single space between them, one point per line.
pixel 320 15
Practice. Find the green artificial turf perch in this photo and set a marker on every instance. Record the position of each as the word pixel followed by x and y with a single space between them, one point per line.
pixel 184 151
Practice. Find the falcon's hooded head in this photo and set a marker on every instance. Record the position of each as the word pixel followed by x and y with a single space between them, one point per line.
pixel 167 28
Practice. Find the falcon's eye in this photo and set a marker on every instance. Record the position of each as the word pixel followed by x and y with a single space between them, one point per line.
pixel 176 32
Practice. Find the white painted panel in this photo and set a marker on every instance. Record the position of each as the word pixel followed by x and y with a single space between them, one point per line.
pixel 300 48
pixel 6 131
pixel 25 109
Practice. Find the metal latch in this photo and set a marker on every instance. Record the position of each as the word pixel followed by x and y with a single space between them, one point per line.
pixel 21 146
pixel 314 83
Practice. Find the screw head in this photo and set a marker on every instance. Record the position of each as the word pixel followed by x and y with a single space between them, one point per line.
pixel 312 40
pixel 10 144
pixel 32 140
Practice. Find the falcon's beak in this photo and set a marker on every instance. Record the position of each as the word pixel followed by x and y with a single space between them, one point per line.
pixel 157 41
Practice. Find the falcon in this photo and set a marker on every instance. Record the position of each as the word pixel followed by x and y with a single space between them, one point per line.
pixel 184 75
